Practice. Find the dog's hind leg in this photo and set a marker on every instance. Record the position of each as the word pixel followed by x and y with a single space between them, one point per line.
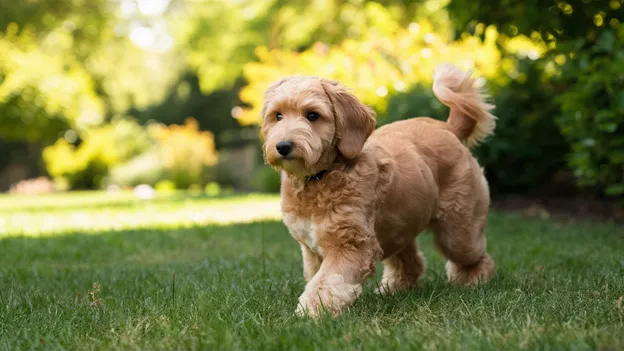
pixel 402 270
pixel 462 241
pixel 460 229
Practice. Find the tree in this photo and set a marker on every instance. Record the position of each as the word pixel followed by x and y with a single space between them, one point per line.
pixel 44 86
pixel 221 37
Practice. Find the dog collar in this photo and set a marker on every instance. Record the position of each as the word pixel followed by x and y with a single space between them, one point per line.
pixel 315 177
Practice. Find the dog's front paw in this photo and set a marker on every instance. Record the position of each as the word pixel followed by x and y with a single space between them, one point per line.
pixel 390 287
pixel 331 295
pixel 383 289
pixel 309 307
pixel 305 311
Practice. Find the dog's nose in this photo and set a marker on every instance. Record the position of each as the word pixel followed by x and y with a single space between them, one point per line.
pixel 284 147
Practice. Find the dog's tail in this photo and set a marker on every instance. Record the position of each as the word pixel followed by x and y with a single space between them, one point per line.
pixel 470 118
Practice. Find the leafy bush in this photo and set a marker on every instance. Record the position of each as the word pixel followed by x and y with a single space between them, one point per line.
pixel 418 101
pixel 86 165
pixel 188 154
pixel 377 67
pixel 165 186
pixel 181 156
pixel 212 189
pixel 592 111
pixel 527 147
pixel 585 64
pixel 43 88
pixel 146 168
pixel 267 180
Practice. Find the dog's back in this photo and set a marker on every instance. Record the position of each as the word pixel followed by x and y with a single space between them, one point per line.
pixel 432 163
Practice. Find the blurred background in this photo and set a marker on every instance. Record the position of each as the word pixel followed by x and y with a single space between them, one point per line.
pixel 165 94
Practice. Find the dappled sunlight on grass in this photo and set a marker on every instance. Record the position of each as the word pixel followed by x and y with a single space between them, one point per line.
pixel 53 215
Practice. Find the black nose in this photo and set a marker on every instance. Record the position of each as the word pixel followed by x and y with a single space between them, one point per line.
pixel 284 147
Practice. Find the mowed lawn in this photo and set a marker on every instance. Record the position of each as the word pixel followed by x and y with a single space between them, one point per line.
pixel 96 271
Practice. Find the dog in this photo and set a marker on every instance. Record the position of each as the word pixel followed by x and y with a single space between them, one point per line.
pixel 353 194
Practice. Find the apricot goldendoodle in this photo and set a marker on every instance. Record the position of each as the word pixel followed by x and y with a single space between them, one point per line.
pixel 353 195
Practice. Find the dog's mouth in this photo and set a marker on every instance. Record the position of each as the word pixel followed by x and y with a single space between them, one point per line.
pixel 288 157
pixel 290 164
pixel 277 159
pixel 290 160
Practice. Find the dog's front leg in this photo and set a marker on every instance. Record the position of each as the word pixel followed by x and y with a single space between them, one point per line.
pixel 338 283
pixel 311 263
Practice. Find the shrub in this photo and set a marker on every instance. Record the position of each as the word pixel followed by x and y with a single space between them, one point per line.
pixel 187 154
pixel 212 189
pixel 86 165
pixel 146 168
pixel 592 111
pixel 527 147
pixel 165 186
pixel 267 180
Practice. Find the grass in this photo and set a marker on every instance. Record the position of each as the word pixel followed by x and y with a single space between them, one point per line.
pixel 94 271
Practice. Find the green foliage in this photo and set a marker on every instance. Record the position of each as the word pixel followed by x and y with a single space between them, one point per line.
pixel 70 65
pixel 86 165
pixel 238 28
pixel 267 180
pixel 213 111
pixel 212 189
pixel 188 154
pixel 552 20
pixel 181 155
pixel 418 101
pixel 527 148
pixel 43 89
pixel 592 112
pixel 582 72
pixel 220 37
pixel 377 67
pixel 165 186
pixel 146 168
pixel 80 22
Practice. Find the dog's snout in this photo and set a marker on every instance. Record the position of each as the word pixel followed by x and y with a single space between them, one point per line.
pixel 284 147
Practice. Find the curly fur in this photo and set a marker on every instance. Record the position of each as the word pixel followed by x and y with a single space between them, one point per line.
pixel 381 189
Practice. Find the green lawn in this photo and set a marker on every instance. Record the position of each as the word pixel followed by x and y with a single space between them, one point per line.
pixel 181 272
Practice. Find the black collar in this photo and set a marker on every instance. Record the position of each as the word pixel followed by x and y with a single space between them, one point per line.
pixel 315 177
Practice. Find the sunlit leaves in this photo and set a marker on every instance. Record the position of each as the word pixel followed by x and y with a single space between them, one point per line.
pixel 380 65
pixel 102 147
pixel 42 83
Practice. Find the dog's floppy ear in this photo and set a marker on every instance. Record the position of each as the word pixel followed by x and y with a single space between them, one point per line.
pixel 356 121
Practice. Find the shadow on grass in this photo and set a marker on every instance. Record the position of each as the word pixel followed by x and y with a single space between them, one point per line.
pixel 136 246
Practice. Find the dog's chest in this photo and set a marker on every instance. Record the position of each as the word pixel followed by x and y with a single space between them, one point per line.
pixel 303 230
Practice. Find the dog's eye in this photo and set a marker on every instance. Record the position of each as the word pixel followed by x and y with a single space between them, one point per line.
pixel 312 116
pixel 278 116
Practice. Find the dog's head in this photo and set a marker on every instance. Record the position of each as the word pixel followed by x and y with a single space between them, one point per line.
pixel 308 121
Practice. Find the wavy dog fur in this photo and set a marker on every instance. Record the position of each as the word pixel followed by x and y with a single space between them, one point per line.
pixel 380 188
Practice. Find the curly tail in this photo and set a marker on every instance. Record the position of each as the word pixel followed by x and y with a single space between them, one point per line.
pixel 470 118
